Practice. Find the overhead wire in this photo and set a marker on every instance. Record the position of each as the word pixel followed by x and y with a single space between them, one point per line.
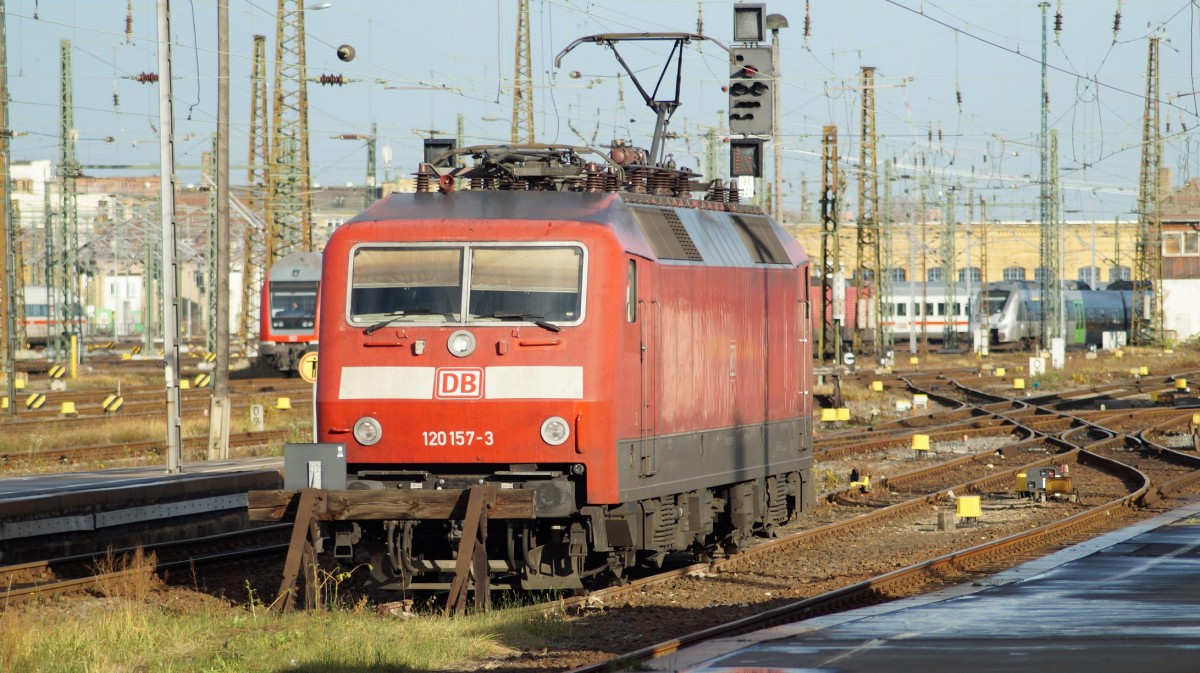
pixel 196 53
pixel 1192 29
pixel 958 100
pixel 798 83
pixel 548 23
pixel 1019 54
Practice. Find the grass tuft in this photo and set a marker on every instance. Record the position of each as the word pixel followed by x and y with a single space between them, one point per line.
pixel 129 576
pixel 124 636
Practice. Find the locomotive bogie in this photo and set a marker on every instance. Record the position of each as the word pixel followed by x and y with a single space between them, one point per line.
pixel 588 546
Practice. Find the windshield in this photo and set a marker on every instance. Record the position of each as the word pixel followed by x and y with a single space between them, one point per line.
pixel 413 282
pixel 426 284
pixel 541 282
pixel 293 305
pixel 996 299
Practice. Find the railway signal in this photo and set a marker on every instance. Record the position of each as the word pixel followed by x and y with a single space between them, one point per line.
pixel 749 22
pixel 746 157
pixel 751 91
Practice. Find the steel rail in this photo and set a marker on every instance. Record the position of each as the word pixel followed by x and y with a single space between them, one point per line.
pixel 1172 455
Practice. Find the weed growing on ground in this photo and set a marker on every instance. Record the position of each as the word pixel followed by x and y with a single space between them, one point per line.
pixel 125 636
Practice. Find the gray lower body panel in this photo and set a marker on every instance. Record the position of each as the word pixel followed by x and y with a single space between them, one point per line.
pixel 655 467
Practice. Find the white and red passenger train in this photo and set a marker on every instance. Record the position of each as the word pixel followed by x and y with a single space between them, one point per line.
pixel 290 310
pixel 636 359
pixel 42 322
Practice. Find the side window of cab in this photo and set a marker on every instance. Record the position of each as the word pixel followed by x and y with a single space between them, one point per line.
pixel 631 292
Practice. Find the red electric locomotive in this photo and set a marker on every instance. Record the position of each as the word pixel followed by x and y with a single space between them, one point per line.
pixel 551 364
pixel 632 362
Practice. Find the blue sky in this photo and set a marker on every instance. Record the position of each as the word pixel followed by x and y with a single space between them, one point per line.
pixel 928 55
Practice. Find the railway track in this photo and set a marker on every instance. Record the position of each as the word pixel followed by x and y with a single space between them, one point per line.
pixel 192 407
pixel 1116 464
pixel 146 407
pixel 132 450
pixel 1093 442
pixel 142 400
pixel 93 572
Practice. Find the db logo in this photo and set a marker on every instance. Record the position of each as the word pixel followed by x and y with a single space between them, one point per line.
pixel 464 383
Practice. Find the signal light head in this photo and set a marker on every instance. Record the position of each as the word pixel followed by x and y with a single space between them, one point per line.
pixel 750 94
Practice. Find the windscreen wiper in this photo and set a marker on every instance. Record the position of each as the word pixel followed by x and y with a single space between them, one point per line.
pixel 539 320
pixel 375 327
pixel 396 315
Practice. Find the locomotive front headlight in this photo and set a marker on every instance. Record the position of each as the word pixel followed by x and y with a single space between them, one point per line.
pixel 555 430
pixel 367 431
pixel 461 343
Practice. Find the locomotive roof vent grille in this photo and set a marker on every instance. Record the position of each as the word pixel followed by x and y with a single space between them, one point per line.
pixel 682 235
pixel 760 240
pixel 666 233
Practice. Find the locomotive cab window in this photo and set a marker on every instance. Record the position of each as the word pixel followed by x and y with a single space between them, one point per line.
pixel 411 284
pixel 631 293
pixel 526 282
pixel 493 283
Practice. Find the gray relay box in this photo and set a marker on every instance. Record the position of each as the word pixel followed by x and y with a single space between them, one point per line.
pixel 314 465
